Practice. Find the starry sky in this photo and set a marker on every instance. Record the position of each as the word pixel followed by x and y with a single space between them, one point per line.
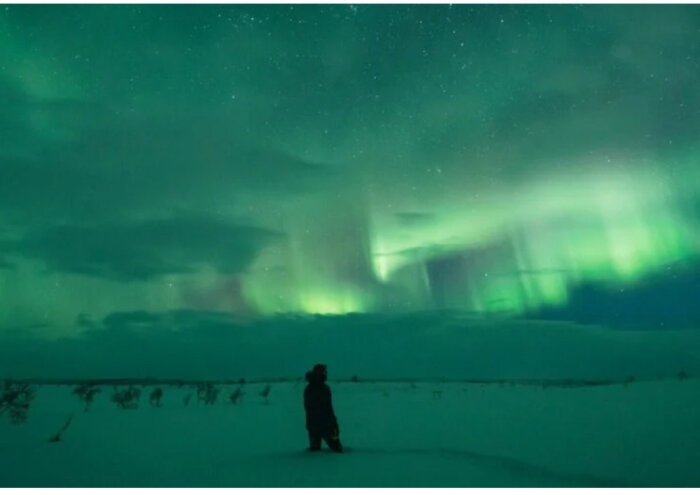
pixel 528 162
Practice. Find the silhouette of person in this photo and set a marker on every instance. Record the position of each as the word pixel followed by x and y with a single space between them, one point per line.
pixel 321 422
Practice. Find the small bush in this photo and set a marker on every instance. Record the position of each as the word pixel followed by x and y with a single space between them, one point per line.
pixel 86 393
pixel 127 398
pixel 16 398
pixel 156 397
pixel 265 392
pixel 236 396
pixel 207 393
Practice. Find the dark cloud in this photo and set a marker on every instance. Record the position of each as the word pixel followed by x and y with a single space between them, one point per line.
pixel 207 345
pixel 116 170
pixel 144 250
pixel 666 299
pixel 180 320
pixel 24 331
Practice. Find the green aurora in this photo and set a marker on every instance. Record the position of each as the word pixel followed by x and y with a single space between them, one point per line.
pixel 338 159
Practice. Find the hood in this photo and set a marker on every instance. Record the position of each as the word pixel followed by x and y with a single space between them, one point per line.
pixel 312 377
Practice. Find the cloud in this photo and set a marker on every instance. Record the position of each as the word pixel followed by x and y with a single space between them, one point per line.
pixel 663 300
pixel 208 345
pixel 144 250
pixel 414 219
pixel 115 169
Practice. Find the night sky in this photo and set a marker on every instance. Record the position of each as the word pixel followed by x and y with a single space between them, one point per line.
pixel 529 162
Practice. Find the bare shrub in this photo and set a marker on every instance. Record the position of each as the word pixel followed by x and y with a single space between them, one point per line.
pixel 156 397
pixel 16 398
pixel 86 393
pixel 127 398
pixel 265 393
pixel 57 437
pixel 236 396
pixel 207 393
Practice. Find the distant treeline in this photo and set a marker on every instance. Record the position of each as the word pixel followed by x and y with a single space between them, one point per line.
pixel 16 396
pixel 172 382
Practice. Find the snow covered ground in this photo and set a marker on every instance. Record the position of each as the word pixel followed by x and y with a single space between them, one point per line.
pixel 397 434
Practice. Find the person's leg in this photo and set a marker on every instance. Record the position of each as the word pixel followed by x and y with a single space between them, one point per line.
pixel 314 442
pixel 333 443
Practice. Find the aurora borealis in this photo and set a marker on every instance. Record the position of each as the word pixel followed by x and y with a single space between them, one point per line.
pixel 272 159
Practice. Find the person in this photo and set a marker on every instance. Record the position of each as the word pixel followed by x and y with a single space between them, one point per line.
pixel 321 422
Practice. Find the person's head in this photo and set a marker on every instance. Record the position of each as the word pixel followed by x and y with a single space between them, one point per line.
pixel 318 373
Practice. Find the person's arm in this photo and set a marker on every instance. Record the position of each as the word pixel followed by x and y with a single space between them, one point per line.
pixel 306 405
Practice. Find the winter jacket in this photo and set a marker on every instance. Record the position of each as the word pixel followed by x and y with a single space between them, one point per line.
pixel 320 418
